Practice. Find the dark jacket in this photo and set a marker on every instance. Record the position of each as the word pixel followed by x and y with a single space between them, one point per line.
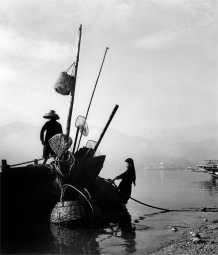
pixel 52 127
pixel 125 186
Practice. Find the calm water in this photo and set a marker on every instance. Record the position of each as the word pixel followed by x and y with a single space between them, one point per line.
pixel 170 189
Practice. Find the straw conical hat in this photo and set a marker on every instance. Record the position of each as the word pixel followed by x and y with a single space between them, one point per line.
pixel 51 115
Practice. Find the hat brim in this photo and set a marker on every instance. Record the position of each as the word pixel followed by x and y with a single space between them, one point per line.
pixel 51 117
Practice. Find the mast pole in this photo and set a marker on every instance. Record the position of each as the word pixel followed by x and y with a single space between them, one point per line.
pixel 73 90
pixel 93 94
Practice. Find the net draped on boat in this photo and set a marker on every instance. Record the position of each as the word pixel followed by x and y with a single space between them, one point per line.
pixel 64 160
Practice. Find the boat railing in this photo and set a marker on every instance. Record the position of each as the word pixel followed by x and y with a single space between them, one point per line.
pixel 5 164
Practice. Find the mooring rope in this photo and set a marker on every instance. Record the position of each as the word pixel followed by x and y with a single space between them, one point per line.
pixel 203 209
pixel 163 209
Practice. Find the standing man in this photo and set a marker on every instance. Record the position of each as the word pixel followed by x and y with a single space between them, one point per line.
pixel 50 128
pixel 127 178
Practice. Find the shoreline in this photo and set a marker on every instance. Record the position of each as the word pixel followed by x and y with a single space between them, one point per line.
pixel 186 244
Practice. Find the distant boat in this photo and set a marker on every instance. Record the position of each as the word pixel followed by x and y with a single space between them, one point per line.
pixel 210 167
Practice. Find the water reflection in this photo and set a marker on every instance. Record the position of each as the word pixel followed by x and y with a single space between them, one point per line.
pixel 68 240
pixel 89 240
pixel 210 186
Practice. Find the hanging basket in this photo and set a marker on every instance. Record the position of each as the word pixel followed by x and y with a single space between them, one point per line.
pixel 65 84
pixel 75 211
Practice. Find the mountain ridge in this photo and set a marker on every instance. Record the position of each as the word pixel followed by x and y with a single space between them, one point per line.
pixel 20 142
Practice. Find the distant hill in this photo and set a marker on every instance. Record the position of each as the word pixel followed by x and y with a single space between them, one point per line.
pixel 185 146
pixel 20 143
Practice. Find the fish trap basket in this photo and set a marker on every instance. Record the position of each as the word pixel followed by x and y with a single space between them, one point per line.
pixel 65 83
pixel 74 211
pixel 60 143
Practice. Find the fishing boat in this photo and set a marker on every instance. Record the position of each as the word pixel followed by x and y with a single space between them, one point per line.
pixel 31 191
pixel 210 167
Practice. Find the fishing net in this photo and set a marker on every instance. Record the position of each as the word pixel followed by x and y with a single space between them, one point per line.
pixel 82 125
pixel 64 160
pixel 65 83
pixel 91 144
pixel 63 165
pixel 60 143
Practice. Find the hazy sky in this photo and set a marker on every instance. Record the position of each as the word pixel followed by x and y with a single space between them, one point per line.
pixel 161 69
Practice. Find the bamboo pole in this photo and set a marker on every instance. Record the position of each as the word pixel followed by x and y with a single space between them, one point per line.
pixel 105 128
pixel 93 94
pixel 73 90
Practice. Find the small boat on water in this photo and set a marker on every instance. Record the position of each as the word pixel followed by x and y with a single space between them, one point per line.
pixel 31 192
pixel 210 167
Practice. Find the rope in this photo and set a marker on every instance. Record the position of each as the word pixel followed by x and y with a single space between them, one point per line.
pixel 68 69
pixel 168 210
pixel 163 209
pixel 65 186
pixel 56 163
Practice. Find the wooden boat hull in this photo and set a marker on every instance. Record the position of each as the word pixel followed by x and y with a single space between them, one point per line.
pixel 105 195
pixel 29 193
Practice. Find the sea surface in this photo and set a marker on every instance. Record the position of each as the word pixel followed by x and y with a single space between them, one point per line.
pixel 147 229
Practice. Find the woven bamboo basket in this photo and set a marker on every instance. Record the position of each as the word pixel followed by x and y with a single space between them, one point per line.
pixel 68 211
pixel 65 83
pixel 60 143
pixel 74 211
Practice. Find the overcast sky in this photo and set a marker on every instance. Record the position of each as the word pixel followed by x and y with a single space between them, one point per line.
pixel 161 68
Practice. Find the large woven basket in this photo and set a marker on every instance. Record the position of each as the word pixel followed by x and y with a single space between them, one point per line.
pixel 74 211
